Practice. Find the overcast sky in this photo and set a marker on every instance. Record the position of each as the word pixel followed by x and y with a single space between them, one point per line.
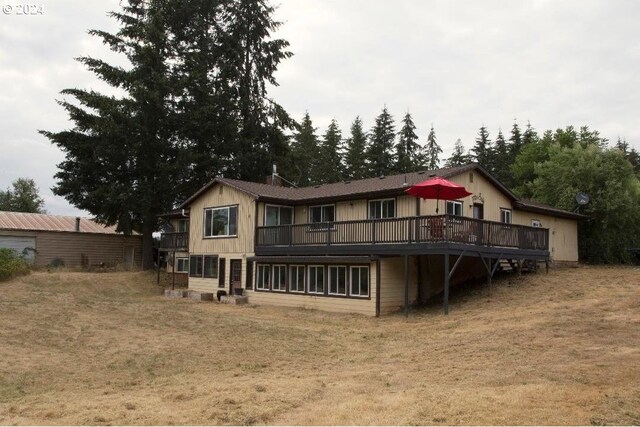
pixel 454 64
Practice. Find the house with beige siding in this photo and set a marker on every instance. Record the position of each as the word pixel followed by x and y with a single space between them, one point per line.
pixel 69 241
pixel 360 246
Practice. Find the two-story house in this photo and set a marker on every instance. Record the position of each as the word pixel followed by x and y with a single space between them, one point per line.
pixel 360 246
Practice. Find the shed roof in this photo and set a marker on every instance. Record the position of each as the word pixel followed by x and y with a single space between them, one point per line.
pixel 42 222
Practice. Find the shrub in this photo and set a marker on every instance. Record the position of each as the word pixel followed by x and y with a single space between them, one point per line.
pixel 11 264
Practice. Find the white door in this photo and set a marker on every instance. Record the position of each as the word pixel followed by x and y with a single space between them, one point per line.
pixel 24 246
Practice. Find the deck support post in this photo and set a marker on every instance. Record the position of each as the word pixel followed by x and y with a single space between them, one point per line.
pixel 406 286
pixel 158 273
pixel 173 272
pixel 546 265
pixel 519 263
pixel 446 283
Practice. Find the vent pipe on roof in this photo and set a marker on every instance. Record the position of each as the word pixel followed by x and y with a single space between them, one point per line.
pixel 77 224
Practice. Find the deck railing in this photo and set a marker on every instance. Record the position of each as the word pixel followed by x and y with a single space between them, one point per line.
pixel 408 230
pixel 174 240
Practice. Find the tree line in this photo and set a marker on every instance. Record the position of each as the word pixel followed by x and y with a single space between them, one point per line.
pixel 330 158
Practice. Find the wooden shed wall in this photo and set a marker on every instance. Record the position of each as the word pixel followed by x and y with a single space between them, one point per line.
pixel 70 246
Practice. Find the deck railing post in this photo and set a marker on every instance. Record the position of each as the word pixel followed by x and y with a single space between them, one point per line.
pixel 329 234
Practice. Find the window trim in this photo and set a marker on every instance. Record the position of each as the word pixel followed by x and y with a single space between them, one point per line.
pixel 268 269
pixel 273 278
pixel 366 267
pixel 201 265
pixel 314 226
pixel 264 216
pixel 346 279
pixel 304 278
pixel 454 203
pixel 504 211
pixel 216 260
pixel 395 207
pixel 222 236
pixel 181 258
pixel 182 221
pixel 309 267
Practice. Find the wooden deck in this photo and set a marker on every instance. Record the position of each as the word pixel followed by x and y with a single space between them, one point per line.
pixel 409 235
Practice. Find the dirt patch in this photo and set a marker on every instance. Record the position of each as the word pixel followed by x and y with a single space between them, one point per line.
pixel 83 348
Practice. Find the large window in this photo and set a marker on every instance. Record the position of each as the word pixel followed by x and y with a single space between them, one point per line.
pixel 211 266
pixel 182 265
pixel 278 215
pixel 263 277
pixel 316 279
pixel 324 213
pixel 385 208
pixel 195 266
pixel 359 282
pixel 279 282
pixel 296 278
pixel 221 222
pixel 337 280
pixel 454 207
pixel 505 215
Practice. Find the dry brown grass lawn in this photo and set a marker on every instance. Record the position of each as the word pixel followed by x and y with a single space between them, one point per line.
pixel 81 348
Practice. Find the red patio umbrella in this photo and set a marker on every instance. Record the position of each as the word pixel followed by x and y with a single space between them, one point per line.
pixel 438 188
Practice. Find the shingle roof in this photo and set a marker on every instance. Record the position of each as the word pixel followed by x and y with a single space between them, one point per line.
pixel 537 207
pixel 385 185
pixel 338 190
pixel 41 222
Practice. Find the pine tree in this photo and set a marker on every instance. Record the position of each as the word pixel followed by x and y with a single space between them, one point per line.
pixel 530 135
pixel 305 150
pixel 500 161
pixel 380 157
pixel 193 104
pixel 407 148
pixel 458 157
pixel 432 151
pixel 482 150
pixel 515 142
pixel 355 157
pixel 329 167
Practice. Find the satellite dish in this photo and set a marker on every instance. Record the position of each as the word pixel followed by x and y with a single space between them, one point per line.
pixel 582 198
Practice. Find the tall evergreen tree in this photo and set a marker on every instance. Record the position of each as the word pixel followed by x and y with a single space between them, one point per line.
pixel 329 167
pixel 458 157
pixel 515 142
pixel 529 136
pixel 380 156
pixel 482 149
pixel 407 148
pixel 432 151
pixel 355 157
pixel 500 161
pixel 194 104
pixel 305 150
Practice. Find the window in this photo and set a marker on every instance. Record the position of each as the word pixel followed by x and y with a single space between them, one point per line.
pixel 325 213
pixel 195 266
pixel 296 278
pixel 263 277
pixel 183 225
pixel 385 208
pixel 211 266
pixel 279 278
pixel 221 222
pixel 359 281
pixel 337 280
pixel 505 215
pixel 536 223
pixel 278 215
pixel 316 279
pixel 454 208
pixel 182 265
